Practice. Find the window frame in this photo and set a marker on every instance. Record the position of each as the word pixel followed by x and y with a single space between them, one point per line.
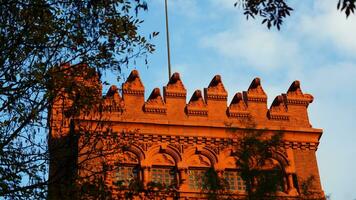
pixel 135 176
pixel 173 174
pixel 239 183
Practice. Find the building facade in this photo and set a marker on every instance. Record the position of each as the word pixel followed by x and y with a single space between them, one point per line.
pixel 163 147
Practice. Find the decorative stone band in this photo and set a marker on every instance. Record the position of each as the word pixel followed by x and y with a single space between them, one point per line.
pixel 133 92
pixel 238 114
pixel 113 108
pixel 196 111
pixel 256 98
pixel 184 140
pixel 278 116
pixel 217 96
pixel 154 109
pixel 298 100
pixel 174 93
pixel 301 145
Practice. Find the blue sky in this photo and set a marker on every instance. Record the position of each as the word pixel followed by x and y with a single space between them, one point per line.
pixel 316 45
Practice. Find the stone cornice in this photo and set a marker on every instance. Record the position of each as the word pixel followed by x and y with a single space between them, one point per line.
pixel 226 125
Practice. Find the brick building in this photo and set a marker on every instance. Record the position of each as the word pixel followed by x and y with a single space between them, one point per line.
pixel 168 141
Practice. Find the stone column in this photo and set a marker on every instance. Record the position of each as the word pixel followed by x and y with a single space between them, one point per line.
pixel 183 176
pixel 291 189
pixel 146 175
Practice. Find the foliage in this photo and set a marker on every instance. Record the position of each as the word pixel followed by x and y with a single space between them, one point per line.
pixel 253 154
pixel 215 186
pixel 307 192
pixel 36 37
pixel 273 12
pixel 160 191
pixel 347 6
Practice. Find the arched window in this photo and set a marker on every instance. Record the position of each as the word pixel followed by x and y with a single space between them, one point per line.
pixel 163 169
pixel 234 180
pixel 273 170
pixel 198 167
pixel 128 169
pixel 232 174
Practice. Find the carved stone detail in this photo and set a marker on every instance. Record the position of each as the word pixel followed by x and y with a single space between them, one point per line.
pixel 278 110
pixel 255 92
pixel 155 103
pixel 199 160
pixel 295 95
pixel 197 105
pixel 175 87
pixel 112 102
pixel 133 85
pixel 162 159
pixel 128 157
pixel 238 107
pixel 216 90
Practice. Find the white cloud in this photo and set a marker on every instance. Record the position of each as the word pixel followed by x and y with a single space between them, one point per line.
pixel 260 48
pixel 326 24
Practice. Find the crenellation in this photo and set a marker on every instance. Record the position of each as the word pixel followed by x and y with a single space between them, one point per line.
pixel 256 101
pixel 215 91
pixel 197 105
pixel 215 97
pixel 155 103
pixel 238 107
pixel 133 94
pixel 255 92
pixel 175 87
pixel 278 109
pixel 295 95
pixel 174 94
pixel 287 110
pixel 112 101
pixel 133 85
pixel 297 104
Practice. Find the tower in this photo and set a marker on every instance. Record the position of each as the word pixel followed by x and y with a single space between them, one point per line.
pixel 162 147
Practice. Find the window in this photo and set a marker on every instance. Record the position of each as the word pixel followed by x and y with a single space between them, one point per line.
pixel 165 176
pixel 196 178
pixel 236 183
pixel 125 174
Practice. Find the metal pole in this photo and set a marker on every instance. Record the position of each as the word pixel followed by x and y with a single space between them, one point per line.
pixel 167 37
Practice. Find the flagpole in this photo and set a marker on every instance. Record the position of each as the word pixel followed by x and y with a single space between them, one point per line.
pixel 167 37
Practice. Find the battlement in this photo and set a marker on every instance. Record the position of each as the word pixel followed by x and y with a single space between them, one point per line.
pixel 210 107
